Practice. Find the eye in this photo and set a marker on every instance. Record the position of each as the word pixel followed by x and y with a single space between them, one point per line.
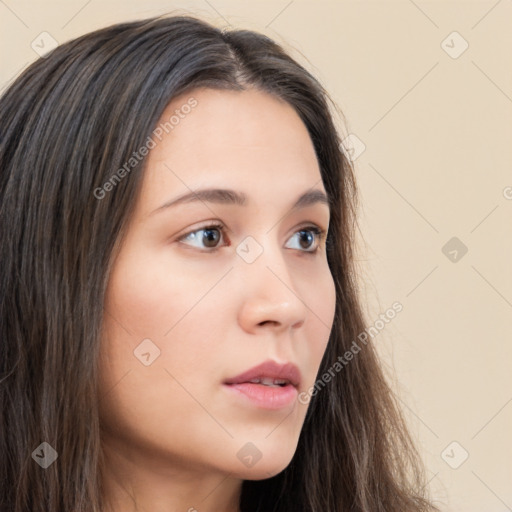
pixel 209 238
pixel 310 236
pixel 305 238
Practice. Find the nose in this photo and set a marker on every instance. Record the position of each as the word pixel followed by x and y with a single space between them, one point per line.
pixel 270 298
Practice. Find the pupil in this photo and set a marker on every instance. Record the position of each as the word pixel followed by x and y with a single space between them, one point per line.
pixel 308 236
pixel 209 238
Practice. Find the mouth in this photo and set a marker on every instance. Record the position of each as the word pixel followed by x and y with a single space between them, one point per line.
pixel 269 373
pixel 267 386
pixel 268 381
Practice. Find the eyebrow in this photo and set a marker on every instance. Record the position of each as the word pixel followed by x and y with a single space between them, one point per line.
pixel 232 197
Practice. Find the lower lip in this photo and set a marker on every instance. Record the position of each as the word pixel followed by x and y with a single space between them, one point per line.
pixel 265 397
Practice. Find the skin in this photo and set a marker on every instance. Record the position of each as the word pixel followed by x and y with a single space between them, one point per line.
pixel 170 429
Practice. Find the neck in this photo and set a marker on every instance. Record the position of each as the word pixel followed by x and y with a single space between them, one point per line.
pixel 133 481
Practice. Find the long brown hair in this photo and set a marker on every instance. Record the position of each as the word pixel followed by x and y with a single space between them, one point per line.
pixel 68 122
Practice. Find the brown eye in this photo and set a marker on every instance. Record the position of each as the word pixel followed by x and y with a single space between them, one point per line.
pixel 206 237
pixel 307 236
pixel 211 237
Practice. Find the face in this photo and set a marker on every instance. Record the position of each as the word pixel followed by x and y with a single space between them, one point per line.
pixel 203 290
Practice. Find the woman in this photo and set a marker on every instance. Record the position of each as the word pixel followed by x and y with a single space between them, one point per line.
pixel 178 286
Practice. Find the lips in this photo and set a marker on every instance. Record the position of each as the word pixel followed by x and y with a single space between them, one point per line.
pixel 269 373
pixel 269 386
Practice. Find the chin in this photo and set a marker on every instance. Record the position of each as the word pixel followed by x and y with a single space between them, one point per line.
pixel 262 473
pixel 272 461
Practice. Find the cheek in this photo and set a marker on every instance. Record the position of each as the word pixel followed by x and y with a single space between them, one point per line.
pixel 150 311
pixel 147 298
pixel 320 300
pixel 177 311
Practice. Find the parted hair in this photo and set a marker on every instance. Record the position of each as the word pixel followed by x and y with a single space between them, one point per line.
pixel 66 124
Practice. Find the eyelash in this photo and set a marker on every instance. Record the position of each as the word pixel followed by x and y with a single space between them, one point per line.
pixel 319 232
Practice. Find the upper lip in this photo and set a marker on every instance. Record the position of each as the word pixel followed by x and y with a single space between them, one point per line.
pixel 269 369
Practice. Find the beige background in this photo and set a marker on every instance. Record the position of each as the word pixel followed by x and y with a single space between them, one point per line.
pixel 437 133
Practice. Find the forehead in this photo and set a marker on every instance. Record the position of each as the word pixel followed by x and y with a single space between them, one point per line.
pixel 241 139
